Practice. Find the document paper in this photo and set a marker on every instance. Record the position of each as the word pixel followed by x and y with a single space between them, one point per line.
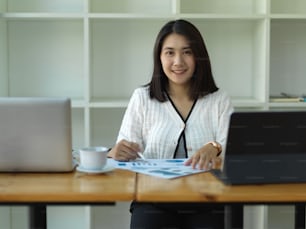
pixel 163 168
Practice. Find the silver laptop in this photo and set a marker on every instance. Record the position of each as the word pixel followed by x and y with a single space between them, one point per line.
pixel 35 135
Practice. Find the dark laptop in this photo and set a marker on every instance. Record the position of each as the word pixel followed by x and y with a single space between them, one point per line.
pixel 265 147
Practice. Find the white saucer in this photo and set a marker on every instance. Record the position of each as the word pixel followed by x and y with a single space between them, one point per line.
pixel 105 169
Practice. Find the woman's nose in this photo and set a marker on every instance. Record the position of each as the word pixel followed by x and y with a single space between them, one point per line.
pixel 178 59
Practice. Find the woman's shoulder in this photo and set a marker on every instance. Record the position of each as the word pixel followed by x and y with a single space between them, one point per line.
pixel 218 99
pixel 140 95
pixel 142 92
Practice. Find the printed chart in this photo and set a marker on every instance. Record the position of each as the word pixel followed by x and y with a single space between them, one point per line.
pixel 164 168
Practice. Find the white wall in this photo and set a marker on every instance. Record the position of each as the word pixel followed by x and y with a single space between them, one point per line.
pixel 94 217
pixel 14 217
pixel 110 217
pixel 281 216
pixel 5 217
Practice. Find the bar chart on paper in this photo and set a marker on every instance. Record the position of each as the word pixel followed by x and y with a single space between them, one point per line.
pixel 163 168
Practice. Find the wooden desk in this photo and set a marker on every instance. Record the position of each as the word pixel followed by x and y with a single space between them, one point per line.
pixel 40 189
pixel 74 187
pixel 122 185
pixel 205 187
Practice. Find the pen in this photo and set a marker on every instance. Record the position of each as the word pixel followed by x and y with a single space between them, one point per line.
pixel 141 156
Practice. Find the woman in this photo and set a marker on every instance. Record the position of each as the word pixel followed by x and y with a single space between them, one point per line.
pixel 180 113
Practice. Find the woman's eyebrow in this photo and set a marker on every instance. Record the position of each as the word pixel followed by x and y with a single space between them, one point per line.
pixel 170 48
pixel 167 48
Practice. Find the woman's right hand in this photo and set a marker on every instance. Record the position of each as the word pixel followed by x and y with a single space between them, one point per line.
pixel 124 151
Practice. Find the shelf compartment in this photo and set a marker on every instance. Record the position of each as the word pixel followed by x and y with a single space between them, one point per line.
pixel 3 59
pixel 288 7
pixel 131 6
pixel 288 57
pixel 238 54
pixel 250 7
pixel 122 57
pixel 45 58
pixel 43 6
pixel 105 124
pixel 237 48
pixel 78 128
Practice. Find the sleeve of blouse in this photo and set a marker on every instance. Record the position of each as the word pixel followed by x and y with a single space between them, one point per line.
pixel 132 122
pixel 225 111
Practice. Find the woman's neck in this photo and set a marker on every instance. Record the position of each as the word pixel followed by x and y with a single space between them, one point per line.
pixel 181 100
pixel 179 92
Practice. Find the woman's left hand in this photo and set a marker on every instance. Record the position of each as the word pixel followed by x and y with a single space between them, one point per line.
pixel 205 158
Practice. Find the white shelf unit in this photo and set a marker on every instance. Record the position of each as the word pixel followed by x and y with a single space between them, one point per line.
pixel 98 51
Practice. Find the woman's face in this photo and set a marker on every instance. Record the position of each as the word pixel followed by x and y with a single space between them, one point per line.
pixel 177 58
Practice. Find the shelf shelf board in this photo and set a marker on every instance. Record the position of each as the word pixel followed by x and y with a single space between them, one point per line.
pixel 100 103
pixel 33 15
pixel 77 103
pixel 109 103
pixel 30 15
pixel 129 16
pixel 247 102
pixel 223 16
pixel 42 15
pixel 288 104
pixel 288 16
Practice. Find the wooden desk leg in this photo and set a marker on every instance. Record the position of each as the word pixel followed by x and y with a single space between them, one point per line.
pixel 299 216
pixel 38 216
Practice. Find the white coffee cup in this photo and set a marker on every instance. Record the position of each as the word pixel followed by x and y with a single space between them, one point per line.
pixel 93 158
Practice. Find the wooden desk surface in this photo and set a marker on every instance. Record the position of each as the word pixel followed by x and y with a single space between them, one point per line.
pixel 205 187
pixel 74 187
pixel 122 185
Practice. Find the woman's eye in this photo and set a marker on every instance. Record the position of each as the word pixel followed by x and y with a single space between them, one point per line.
pixel 169 53
pixel 188 52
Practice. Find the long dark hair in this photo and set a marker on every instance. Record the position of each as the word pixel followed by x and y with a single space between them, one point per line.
pixel 202 82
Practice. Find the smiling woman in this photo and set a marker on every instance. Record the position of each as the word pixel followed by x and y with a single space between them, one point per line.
pixel 181 113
